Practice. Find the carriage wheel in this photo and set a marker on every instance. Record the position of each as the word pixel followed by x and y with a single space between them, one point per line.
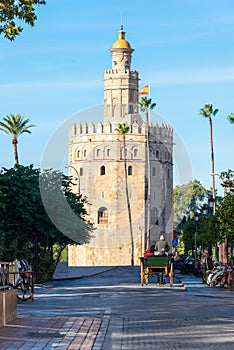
pixel 142 273
pixel 146 276
pixel 171 274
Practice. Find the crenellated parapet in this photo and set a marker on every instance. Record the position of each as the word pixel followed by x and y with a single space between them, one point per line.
pixel 134 73
pixel 155 131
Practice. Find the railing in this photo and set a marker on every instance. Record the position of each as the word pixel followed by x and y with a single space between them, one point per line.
pixel 4 275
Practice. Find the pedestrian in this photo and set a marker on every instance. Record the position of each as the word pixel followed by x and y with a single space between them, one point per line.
pixel 206 265
pixel 162 247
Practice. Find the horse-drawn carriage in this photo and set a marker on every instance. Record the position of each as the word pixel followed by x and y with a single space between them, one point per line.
pixel 160 266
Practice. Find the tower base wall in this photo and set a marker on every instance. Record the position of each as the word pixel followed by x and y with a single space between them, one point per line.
pixel 113 256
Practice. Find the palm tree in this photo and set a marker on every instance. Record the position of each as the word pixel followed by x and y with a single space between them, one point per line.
pixel 146 105
pixel 208 112
pixel 231 118
pixel 14 125
pixel 123 129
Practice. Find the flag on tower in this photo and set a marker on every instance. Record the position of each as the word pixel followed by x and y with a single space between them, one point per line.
pixel 144 90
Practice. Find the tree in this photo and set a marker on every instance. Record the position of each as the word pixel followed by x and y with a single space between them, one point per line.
pixel 225 217
pixel 26 230
pixel 12 11
pixel 231 118
pixel 14 125
pixel 187 199
pixel 123 129
pixel 145 105
pixel 208 112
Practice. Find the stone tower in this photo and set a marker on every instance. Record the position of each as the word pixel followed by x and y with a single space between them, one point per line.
pixel 97 155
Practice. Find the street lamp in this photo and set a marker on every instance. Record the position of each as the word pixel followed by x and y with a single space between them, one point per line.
pixel 204 210
pixel 196 218
pixel 78 177
pixel 211 202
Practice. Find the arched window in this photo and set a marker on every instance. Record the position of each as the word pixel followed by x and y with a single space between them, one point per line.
pixel 78 154
pixel 157 153
pixel 108 152
pixel 98 153
pixel 135 153
pixel 85 153
pixel 102 170
pixel 130 170
pixel 154 171
pixel 102 215
pixel 81 172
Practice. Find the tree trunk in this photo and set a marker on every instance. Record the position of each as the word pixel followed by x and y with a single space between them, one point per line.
pixel 36 256
pixel 148 206
pixel 128 203
pixel 212 164
pixel 14 142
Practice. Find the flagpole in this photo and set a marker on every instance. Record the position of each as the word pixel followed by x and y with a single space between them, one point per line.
pixel 149 97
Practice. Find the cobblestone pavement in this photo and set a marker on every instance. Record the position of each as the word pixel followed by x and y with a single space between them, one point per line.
pixel 178 333
pixel 37 333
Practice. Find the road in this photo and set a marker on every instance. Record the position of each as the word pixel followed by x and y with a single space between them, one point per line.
pixel 135 317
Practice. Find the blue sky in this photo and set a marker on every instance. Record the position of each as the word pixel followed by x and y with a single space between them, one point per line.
pixel 184 49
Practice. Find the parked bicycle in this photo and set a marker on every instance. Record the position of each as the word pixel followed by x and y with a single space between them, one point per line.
pixel 23 281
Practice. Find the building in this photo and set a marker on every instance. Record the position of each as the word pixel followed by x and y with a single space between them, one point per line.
pixel 97 156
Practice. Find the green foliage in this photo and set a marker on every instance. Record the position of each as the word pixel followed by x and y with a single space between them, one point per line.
pixel 20 11
pixel 180 249
pixel 225 218
pixel 207 111
pixel 14 125
pixel 146 104
pixel 231 118
pixel 187 200
pixel 122 129
pixel 26 230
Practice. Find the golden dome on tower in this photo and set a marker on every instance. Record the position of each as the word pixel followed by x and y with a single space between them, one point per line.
pixel 121 43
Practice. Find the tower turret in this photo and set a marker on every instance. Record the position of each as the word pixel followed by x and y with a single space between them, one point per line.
pixel 120 82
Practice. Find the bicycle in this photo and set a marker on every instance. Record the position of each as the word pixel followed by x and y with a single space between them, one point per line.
pixel 24 281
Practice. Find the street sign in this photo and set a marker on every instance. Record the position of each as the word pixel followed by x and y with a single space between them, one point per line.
pixel 174 242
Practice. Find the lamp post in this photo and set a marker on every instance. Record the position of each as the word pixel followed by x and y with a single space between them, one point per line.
pixel 226 184
pixel 196 218
pixel 211 203
pixel 78 177
pixel 142 240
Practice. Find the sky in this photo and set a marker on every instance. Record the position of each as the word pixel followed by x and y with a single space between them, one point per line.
pixel 184 50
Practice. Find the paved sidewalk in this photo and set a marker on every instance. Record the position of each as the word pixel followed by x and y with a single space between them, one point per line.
pixel 63 271
pixel 36 333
